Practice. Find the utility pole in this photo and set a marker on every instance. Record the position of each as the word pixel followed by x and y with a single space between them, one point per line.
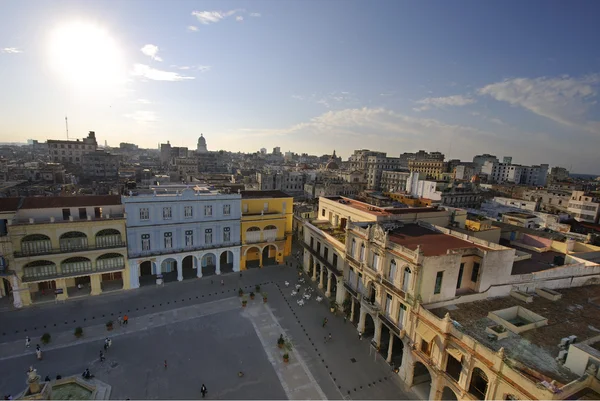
pixel 67 126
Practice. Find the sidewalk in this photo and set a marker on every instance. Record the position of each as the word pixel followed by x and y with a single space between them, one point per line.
pixel 99 332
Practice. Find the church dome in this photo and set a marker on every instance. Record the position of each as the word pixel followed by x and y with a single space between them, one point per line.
pixel 332 166
pixel 201 140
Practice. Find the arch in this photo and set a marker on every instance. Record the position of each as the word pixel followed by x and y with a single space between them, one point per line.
pixel 421 382
pixel 146 268
pixel 369 330
pixel 226 262
pixel 353 248
pixel 449 394
pixel 269 255
pixel 478 384
pixel 361 256
pixel 393 269
pixel 253 257
pixel 253 229
pixel 73 240
pixel 109 261
pixel 108 237
pixel 39 269
pixel 168 265
pixel 78 264
pixel 208 264
pixel 270 227
pixel 188 264
pixel 270 233
pixel 406 279
pixel 36 244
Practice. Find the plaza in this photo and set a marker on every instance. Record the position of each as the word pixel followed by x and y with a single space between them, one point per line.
pixel 206 337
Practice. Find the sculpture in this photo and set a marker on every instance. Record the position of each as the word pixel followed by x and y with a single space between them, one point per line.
pixel 32 374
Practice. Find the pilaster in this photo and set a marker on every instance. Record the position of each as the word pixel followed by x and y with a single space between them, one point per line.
pixel 96 284
pixel 61 284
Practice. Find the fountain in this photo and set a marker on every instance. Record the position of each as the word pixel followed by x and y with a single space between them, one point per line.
pixel 68 388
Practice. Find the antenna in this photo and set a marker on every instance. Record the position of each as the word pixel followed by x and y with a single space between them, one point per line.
pixel 67 125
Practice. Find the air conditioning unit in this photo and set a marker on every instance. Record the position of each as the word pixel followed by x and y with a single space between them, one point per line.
pixel 562 355
pixel 564 342
pixel 572 339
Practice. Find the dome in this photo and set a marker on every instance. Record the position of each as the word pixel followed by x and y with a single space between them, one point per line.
pixel 332 166
pixel 201 140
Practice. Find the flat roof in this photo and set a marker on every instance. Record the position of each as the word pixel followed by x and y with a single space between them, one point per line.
pixel 380 211
pixel 574 314
pixel 538 262
pixel 520 215
pixel 432 243
pixel 48 202
pixel 264 194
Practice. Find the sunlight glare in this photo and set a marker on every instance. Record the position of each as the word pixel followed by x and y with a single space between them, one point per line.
pixel 86 55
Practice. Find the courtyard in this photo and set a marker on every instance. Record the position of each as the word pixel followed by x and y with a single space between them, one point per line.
pixel 206 337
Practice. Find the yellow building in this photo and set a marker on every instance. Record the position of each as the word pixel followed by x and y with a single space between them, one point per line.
pixel 66 247
pixel 266 228
pixel 432 168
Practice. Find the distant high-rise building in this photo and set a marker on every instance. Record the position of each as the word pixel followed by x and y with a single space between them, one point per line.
pixel 263 151
pixel 277 150
pixel 507 159
pixel 71 151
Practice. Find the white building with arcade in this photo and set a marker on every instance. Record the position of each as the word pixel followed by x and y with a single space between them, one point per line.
pixel 178 234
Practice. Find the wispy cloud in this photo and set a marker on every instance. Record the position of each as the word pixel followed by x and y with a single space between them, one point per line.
pixel 441 102
pixel 145 71
pixel 211 17
pixel 564 99
pixel 255 15
pixel 143 101
pixel 201 68
pixel 331 100
pixel 192 28
pixel 239 18
pixel 143 116
pixel 151 51
pixel 11 50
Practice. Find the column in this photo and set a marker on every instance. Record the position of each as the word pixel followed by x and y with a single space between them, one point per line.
pixel 61 284
pixel 96 286
pixel 218 263
pixel 134 274
pixel 179 268
pixel 377 336
pixel 314 276
pixel 322 277
pixel 236 260
pixel 199 269
pixel 340 294
pixel 352 309
pixel 361 320
pixel 390 345
pixel 16 292
pixel 328 292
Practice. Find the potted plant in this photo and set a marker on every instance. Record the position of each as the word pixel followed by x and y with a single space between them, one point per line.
pixel 264 295
pixel 257 288
pixel 280 341
pixel 347 306
pixel 78 332
pixel 332 305
pixel 252 295
pixel 240 292
pixel 286 357
pixel 46 337
pixel 244 302
pixel 109 325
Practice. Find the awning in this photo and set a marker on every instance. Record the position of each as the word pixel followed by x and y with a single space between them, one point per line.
pixel 425 332
pixel 455 353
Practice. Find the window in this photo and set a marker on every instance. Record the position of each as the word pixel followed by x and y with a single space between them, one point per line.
pixel 266 207
pixel 97 212
pixel 145 242
pixel 438 282
pixel 167 213
pixel 392 272
pixel 189 238
pixel 335 260
pixel 245 208
pixel 325 252
pixel 475 272
pixel 375 261
pixel 406 279
pixel 322 212
pixel 208 236
pixel 353 248
pixel 460 274
pixel 66 214
pixel 208 210
pixel 401 313
pixel 362 253
pixel 188 211
pixel 226 234
pixel 226 210
pixel 82 213
pixel 168 240
pixel 318 247
pixel 312 242
pixel 388 305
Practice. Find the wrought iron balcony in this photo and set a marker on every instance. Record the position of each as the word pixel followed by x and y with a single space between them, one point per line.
pixel 51 251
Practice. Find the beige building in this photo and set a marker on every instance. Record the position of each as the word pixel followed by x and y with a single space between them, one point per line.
pixel 433 169
pixel 68 151
pixel 584 207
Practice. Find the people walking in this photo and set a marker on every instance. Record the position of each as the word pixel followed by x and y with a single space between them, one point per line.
pixel 27 342
pixel 125 319
pixel 360 335
pixel 102 358
pixel 222 283
pixel 109 342
pixel 38 353
pixel 329 337
pixel 47 379
pixel 324 322
pixel 120 320
pixel 203 390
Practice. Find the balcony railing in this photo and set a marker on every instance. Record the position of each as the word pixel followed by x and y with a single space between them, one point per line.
pixel 322 260
pixel 182 250
pixel 354 261
pixel 51 272
pixel 390 286
pixel 389 322
pixel 71 219
pixel 36 252
pixel 373 306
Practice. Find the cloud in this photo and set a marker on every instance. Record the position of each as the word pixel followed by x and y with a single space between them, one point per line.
pixel 143 101
pixel 255 15
pixel 564 100
pixel 145 71
pixel 212 17
pixel 331 100
pixel 441 102
pixel 239 18
pixel 11 50
pixel 151 51
pixel 192 28
pixel 203 68
pixel 143 116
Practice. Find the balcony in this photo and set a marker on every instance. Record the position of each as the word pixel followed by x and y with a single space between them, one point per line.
pixel 182 250
pixel 387 320
pixel 372 306
pixel 354 261
pixel 72 219
pixel 351 289
pixel 322 260
pixel 50 271
pixel 67 249
pixel 390 286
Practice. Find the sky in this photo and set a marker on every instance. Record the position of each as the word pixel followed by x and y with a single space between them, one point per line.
pixel 511 78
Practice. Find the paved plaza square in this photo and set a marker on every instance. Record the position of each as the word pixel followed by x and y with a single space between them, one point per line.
pixel 205 335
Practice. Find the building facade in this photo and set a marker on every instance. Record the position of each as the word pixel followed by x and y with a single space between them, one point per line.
pixel 266 228
pixel 182 234
pixel 68 151
pixel 394 181
pixel 584 207
pixel 67 247
pixel 100 165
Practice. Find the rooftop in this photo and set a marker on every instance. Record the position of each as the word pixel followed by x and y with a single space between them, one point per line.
pixel 520 215
pixel 9 204
pixel 576 313
pixel 264 194
pixel 380 211
pixel 432 243
pixel 49 202
pixel 325 226
pixel 538 262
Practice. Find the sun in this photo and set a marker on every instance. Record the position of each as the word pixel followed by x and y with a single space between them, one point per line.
pixel 85 54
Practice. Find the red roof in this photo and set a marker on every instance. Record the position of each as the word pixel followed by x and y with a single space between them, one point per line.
pixel 9 204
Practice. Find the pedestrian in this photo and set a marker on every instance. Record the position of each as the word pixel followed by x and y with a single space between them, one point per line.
pixel 102 358
pixel 27 342
pixel 324 322
pixel 330 337
pixel 222 282
pixel 345 318
pixel 360 335
pixel 203 390
pixel 120 320
pixel 109 342
pixel 47 379
pixel 38 353
pixel 125 320
pixel 58 377
pixel 165 363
